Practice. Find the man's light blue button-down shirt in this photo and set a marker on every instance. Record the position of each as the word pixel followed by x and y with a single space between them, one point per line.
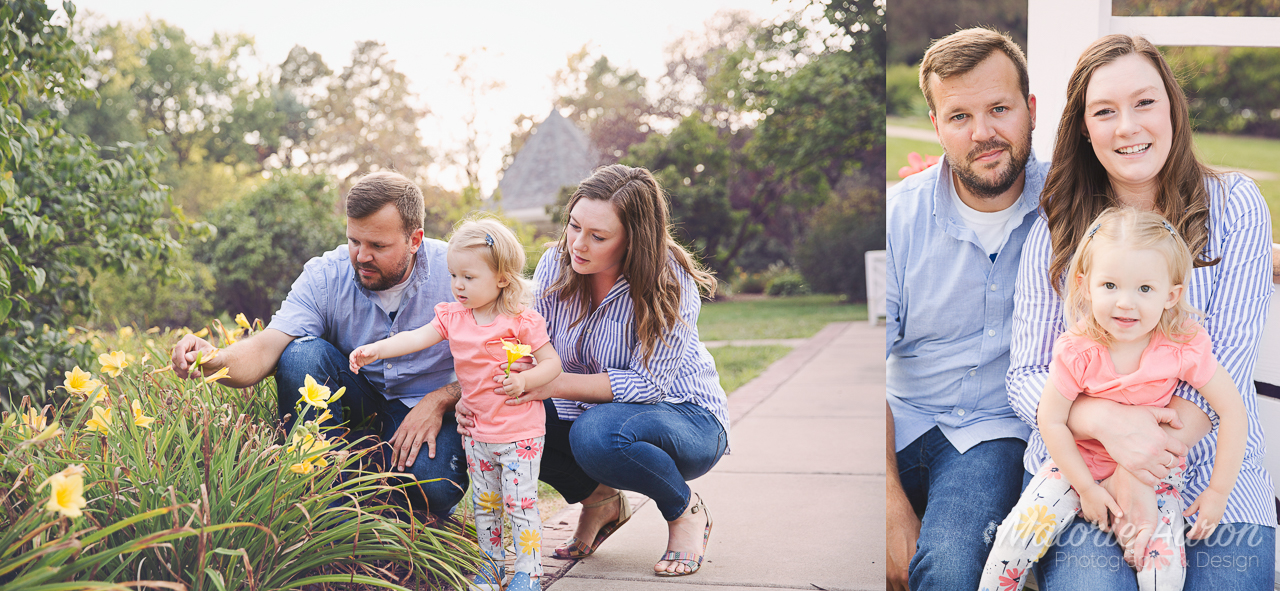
pixel 950 309
pixel 328 302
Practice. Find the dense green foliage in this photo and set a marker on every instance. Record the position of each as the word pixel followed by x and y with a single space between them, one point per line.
pixel 265 238
pixel 69 209
pixel 187 483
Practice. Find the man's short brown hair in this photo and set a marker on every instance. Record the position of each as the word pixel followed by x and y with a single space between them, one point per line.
pixel 376 190
pixel 962 51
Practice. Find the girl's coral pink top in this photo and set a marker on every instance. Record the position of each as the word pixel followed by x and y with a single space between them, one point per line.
pixel 478 356
pixel 1083 366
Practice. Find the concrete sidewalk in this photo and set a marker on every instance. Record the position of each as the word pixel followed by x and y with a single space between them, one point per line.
pixel 799 504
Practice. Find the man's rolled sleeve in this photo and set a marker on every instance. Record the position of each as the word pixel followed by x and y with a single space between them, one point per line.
pixel 302 313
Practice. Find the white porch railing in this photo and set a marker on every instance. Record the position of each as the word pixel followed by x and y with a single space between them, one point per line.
pixel 875 263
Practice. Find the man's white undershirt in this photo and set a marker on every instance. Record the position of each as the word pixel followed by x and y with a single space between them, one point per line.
pixel 389 299
pixel 992 228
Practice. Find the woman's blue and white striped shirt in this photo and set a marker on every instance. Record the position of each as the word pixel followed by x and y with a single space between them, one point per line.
pixel 605 342
pixel 1234 296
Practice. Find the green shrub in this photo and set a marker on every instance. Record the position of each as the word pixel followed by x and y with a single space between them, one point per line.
pixel 172 297
pixel 787 284
pixel 903 97
pixel 832 254
pixel 265 238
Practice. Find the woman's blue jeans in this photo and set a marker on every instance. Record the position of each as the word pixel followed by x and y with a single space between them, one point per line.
pixel 1237 557
pixel 652 449
pixel 442 480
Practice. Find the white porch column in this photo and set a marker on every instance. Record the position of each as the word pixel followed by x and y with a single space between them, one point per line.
pixel 1056 34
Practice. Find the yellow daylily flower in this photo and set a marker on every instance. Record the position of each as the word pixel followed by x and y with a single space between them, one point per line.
pixel 314 394
pixel 153 330
pixel 101 420
pixel 101 393
pixel 515 351
pixel 243 322
pixel 218 375
pixel 79 381
pixel 34 421
pixel 202 333
pixel 307 442
pixel 139 418
pixel 68 492
pixel 125 332
pixel 113 364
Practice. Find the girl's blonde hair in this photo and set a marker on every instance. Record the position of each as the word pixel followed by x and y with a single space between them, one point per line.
pixel 1137 230
pixel 498 246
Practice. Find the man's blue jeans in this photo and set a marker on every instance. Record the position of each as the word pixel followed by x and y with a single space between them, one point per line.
pixel 1237 557
pixel 329 367
pixel 652 449
pixel 963 497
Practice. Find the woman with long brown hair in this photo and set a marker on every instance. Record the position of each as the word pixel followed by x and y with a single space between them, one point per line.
pixel 1125 140
pixel 639 406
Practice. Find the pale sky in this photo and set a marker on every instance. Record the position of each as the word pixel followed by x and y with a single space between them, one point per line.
pixel 524 44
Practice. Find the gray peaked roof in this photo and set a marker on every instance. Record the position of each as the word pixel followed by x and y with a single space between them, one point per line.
pixel 558 154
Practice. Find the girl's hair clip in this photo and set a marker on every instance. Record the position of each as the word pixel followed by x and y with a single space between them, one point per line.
pixel 1169 228
pixel 1094 230
pixel 488 240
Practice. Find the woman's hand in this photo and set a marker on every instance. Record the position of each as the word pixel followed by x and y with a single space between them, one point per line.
pixel 1132 435
pixel 532 395
pixel 464 416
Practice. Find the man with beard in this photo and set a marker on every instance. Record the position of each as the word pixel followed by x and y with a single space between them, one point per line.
pixel 955 232
pixel 386 279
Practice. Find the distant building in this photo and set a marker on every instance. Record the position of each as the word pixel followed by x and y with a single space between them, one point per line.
pixel 557 154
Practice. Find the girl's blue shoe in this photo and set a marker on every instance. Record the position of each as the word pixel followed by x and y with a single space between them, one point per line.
pixel 488 579
pixel 523 582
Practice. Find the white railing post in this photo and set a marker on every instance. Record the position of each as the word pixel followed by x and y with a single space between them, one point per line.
pixel 1056 34
pixel 875 263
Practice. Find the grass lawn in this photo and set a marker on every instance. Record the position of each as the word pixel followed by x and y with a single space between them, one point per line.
pixel 739 365
pixel 774 318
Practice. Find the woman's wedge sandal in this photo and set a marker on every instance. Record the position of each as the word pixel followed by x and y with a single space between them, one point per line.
pixel 688 558
pixel 575 548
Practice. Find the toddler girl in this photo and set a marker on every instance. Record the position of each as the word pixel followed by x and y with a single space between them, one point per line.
pixel 1130 338
pixel 503 452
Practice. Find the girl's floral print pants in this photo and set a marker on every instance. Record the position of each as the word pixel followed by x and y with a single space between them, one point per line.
pixel 1049 505
pixel 506 475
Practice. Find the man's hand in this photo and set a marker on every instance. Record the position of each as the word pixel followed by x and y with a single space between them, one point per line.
pixel 902 530
pixel 1275 263
pixel 185 353
pixel 422 426
pixel 902 526
pixel 464 416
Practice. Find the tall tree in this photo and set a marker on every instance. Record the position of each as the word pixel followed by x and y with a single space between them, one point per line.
pixel 606 101
pixel 369 119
